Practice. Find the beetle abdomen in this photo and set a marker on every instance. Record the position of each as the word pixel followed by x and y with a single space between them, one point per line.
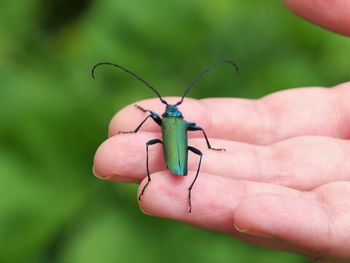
pixel 174 132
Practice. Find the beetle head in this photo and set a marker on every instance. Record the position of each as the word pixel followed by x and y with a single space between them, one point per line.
pixel 172 111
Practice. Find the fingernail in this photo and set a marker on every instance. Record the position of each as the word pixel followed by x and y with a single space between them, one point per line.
pixel 144 212
pixel 251 232
pixel 98 176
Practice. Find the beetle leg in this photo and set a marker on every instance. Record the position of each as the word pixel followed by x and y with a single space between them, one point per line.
pixel 140 108
pixel 150 142
pixel 193 127
pixel 198 152
pixel 152 114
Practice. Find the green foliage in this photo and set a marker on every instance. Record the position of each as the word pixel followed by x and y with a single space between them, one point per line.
pixel 53 115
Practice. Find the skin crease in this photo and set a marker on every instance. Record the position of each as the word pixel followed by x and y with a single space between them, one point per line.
pixel 287 188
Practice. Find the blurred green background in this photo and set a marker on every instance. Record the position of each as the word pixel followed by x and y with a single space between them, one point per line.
pixel 53 115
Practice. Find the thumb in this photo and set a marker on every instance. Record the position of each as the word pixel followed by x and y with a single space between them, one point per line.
pixel 300 223
pixel 333 15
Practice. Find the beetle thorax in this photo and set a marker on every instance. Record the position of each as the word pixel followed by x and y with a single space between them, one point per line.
pixel 172 111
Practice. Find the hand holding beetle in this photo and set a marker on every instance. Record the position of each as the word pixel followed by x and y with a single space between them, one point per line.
pixel 284 180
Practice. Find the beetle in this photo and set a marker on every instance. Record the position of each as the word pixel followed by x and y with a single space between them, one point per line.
pixel 174 129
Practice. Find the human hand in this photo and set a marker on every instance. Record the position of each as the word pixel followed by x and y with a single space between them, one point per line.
pixel 283 181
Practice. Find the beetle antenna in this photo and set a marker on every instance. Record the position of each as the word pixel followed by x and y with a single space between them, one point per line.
pixel 201 75
pixel 130 72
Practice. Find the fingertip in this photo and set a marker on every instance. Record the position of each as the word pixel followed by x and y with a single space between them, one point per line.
pixel 333 15
pixel 110 159
pixel 101 160
pixel 129 117
pixel 97 174
pixel 164 195
pixel 124 120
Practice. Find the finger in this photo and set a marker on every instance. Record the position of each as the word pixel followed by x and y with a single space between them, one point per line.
pixel 333 15
pixel 317 226
pixel 214 200
pixel 303 163
pixel 123 157
pixel 285 114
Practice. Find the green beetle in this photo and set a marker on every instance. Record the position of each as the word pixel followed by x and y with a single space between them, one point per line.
pixel 174 130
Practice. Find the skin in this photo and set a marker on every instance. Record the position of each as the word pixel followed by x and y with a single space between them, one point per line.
pixel 284 180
